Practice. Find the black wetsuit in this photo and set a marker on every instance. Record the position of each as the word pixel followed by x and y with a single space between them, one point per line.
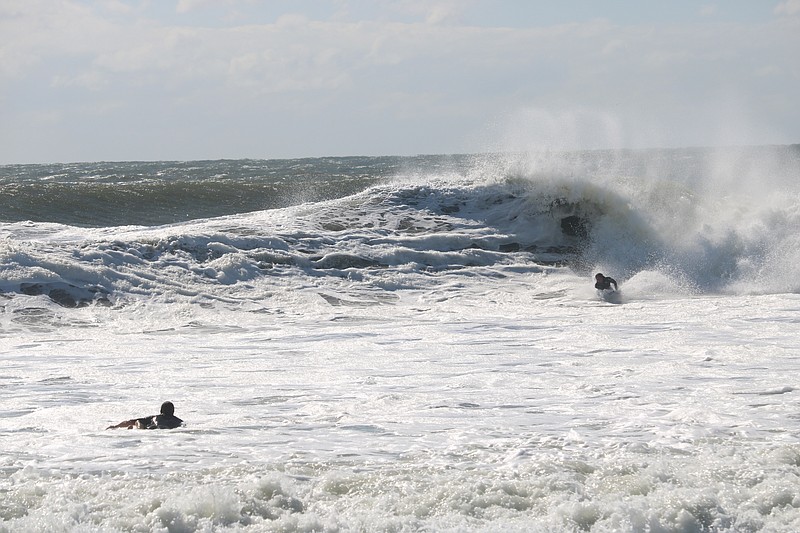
pixel 605 284
pixel 159 422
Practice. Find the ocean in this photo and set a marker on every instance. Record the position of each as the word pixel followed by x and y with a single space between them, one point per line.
pixel 404 343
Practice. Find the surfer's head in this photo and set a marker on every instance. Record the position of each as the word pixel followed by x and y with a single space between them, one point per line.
pixel 167 409
pixel 599 277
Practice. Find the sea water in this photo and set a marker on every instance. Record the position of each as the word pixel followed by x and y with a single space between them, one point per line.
pixel 403 344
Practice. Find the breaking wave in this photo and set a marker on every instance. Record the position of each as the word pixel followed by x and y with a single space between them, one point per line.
pixel 705 222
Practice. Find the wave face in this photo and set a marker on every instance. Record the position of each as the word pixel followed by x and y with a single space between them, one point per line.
pixel 693 220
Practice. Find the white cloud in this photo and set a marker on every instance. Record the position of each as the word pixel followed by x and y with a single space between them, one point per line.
pixel 116 6
pixel 708 10
pixel 428 72
pixel 789 7
pixel 27 30
pixel 185 6
pixel 428 11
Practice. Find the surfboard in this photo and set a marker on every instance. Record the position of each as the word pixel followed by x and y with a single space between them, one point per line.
pixel 610 296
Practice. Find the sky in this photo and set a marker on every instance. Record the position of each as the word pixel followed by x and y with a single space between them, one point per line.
pixel 122 80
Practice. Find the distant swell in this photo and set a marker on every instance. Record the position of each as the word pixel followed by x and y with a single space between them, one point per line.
pixel 151 194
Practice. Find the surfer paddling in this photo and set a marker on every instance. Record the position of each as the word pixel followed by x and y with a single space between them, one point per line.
pixel 604 283
pixel 165 420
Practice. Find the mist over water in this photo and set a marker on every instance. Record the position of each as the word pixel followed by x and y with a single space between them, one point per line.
pixel 711 220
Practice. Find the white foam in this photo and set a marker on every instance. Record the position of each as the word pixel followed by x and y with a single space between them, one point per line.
pixel 493 407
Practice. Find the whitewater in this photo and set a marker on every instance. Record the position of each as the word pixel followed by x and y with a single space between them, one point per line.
pixel 404 344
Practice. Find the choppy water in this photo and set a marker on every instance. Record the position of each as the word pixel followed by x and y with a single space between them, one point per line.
pixel 388 344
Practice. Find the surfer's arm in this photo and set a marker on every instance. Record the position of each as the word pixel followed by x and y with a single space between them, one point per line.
pixel 138 423
pixel 128 424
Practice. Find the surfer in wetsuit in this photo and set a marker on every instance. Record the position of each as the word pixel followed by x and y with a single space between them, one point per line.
pixel 165 420
pixel 604 282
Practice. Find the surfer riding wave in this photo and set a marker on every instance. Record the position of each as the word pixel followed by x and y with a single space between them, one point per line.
pixel 604 283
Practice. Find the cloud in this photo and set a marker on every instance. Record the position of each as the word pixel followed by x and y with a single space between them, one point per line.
pixel 789 7
pixel 410 66
pixel 296 53
pixel 185 6
pixel 708 10
pixel 437 12
pixel 36 32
